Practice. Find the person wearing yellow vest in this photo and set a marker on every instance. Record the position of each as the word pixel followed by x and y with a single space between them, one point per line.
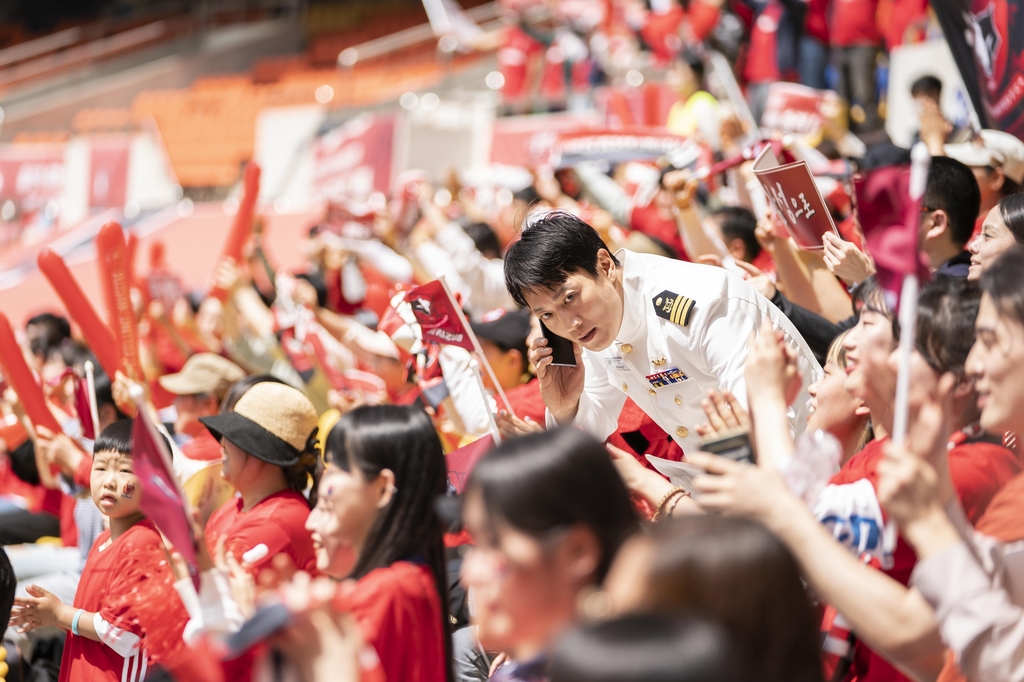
pixel 696 112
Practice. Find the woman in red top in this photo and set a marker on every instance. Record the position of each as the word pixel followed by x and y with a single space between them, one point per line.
pixel 374 522
pixel 267 440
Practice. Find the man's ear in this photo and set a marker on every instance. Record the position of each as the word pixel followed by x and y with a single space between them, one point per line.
pixel 606 265
pixel 940 224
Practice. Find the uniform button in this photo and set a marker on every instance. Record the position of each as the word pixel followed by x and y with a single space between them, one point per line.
pixel 682 432
pixel 652 391
pixel 679 401
pixel 625 388
pixel 626 348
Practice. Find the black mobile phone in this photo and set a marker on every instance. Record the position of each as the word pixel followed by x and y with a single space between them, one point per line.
pixel 734 444
pixel 267 621
pixel 562 353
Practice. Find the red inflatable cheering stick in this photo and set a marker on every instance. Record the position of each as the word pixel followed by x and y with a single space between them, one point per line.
pixel 96 333
pixel 22 380
pixel 241 228
pixel 113 262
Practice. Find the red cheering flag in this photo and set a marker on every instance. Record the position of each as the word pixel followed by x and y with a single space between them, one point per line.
pixel 889 219
pixel 24 383
pixel 162 499
pixel 96 333
pixel 241 227
pixel 440 319
pixel 115 278
pixel 462 461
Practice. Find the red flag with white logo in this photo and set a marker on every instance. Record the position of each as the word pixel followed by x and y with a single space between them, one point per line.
pixel 438 315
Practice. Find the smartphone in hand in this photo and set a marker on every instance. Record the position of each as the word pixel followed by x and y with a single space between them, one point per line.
pixel 562 353
pixel 734 445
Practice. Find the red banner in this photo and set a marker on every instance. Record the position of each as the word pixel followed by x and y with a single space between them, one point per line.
pixel 31 174
pixel 354 159
pixel 462 461
pixel 793 108
pixel 109 187
pixel 162 500
pixel 791 190
pixel 527 140
pixel 631 144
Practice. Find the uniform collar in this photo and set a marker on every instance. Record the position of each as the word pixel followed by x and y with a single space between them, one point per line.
pixel 633 310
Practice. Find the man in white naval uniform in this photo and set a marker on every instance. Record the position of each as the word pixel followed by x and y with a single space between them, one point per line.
pixel 660 331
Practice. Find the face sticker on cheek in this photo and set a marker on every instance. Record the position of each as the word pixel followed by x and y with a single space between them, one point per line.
pixel 128 491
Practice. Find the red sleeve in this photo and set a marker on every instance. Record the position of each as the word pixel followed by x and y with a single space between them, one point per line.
pixel 703 18
pixel 269 534
pixel 68 527
pixel 1004 517
pixel 978 471
pixel 83 474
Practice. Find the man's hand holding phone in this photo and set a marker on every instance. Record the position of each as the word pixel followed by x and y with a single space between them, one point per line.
pixel 561 384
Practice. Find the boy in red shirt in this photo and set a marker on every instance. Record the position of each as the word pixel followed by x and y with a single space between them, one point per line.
pixel 126 614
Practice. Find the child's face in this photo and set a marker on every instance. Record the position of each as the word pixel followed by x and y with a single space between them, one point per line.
pixel 115 487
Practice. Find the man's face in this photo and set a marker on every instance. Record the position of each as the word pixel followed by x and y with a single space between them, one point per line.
pixel 190 409
pixel 585 309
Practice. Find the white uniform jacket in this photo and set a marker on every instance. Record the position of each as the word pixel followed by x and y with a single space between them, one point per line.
pixel 707 344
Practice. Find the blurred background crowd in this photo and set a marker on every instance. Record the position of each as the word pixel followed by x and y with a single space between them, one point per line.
pixel 433 529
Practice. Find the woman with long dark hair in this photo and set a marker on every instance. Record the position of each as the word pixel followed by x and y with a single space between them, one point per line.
pixel 374 523
pixel 733 572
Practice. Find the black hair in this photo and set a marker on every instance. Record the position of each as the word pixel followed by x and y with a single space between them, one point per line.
pixel 944 333
pixel 1003 281
pixel 485 239
pixel 553 247
pixel 555 479
pixel 871 295
pixel 401 438
pixel 696 64
pixel 527 195
pixel 55 326
pixel 648 647
pixel 735 572
pixel 238 389
pixel 117 437
pixel 737 222
pixel 1011 210
pixel 75 354
pixel 318 283
pixel 952 188
pixel 105 394
pixel 928 85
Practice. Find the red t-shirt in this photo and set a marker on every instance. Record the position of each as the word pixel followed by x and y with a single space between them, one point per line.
pixel 399 613
pixel 526 401
pixel 130 585
pixel 203 447
pixel 277 522
pixel 762 65
pixel 852 22
pixel 978 471
pixel 648 220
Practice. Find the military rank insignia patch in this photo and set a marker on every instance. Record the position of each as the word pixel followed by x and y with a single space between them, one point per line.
pixel 673 307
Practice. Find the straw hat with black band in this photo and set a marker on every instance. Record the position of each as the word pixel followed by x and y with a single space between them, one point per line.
pixel 271 421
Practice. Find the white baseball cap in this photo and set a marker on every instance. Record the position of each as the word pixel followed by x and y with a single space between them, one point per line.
pixel 992 148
